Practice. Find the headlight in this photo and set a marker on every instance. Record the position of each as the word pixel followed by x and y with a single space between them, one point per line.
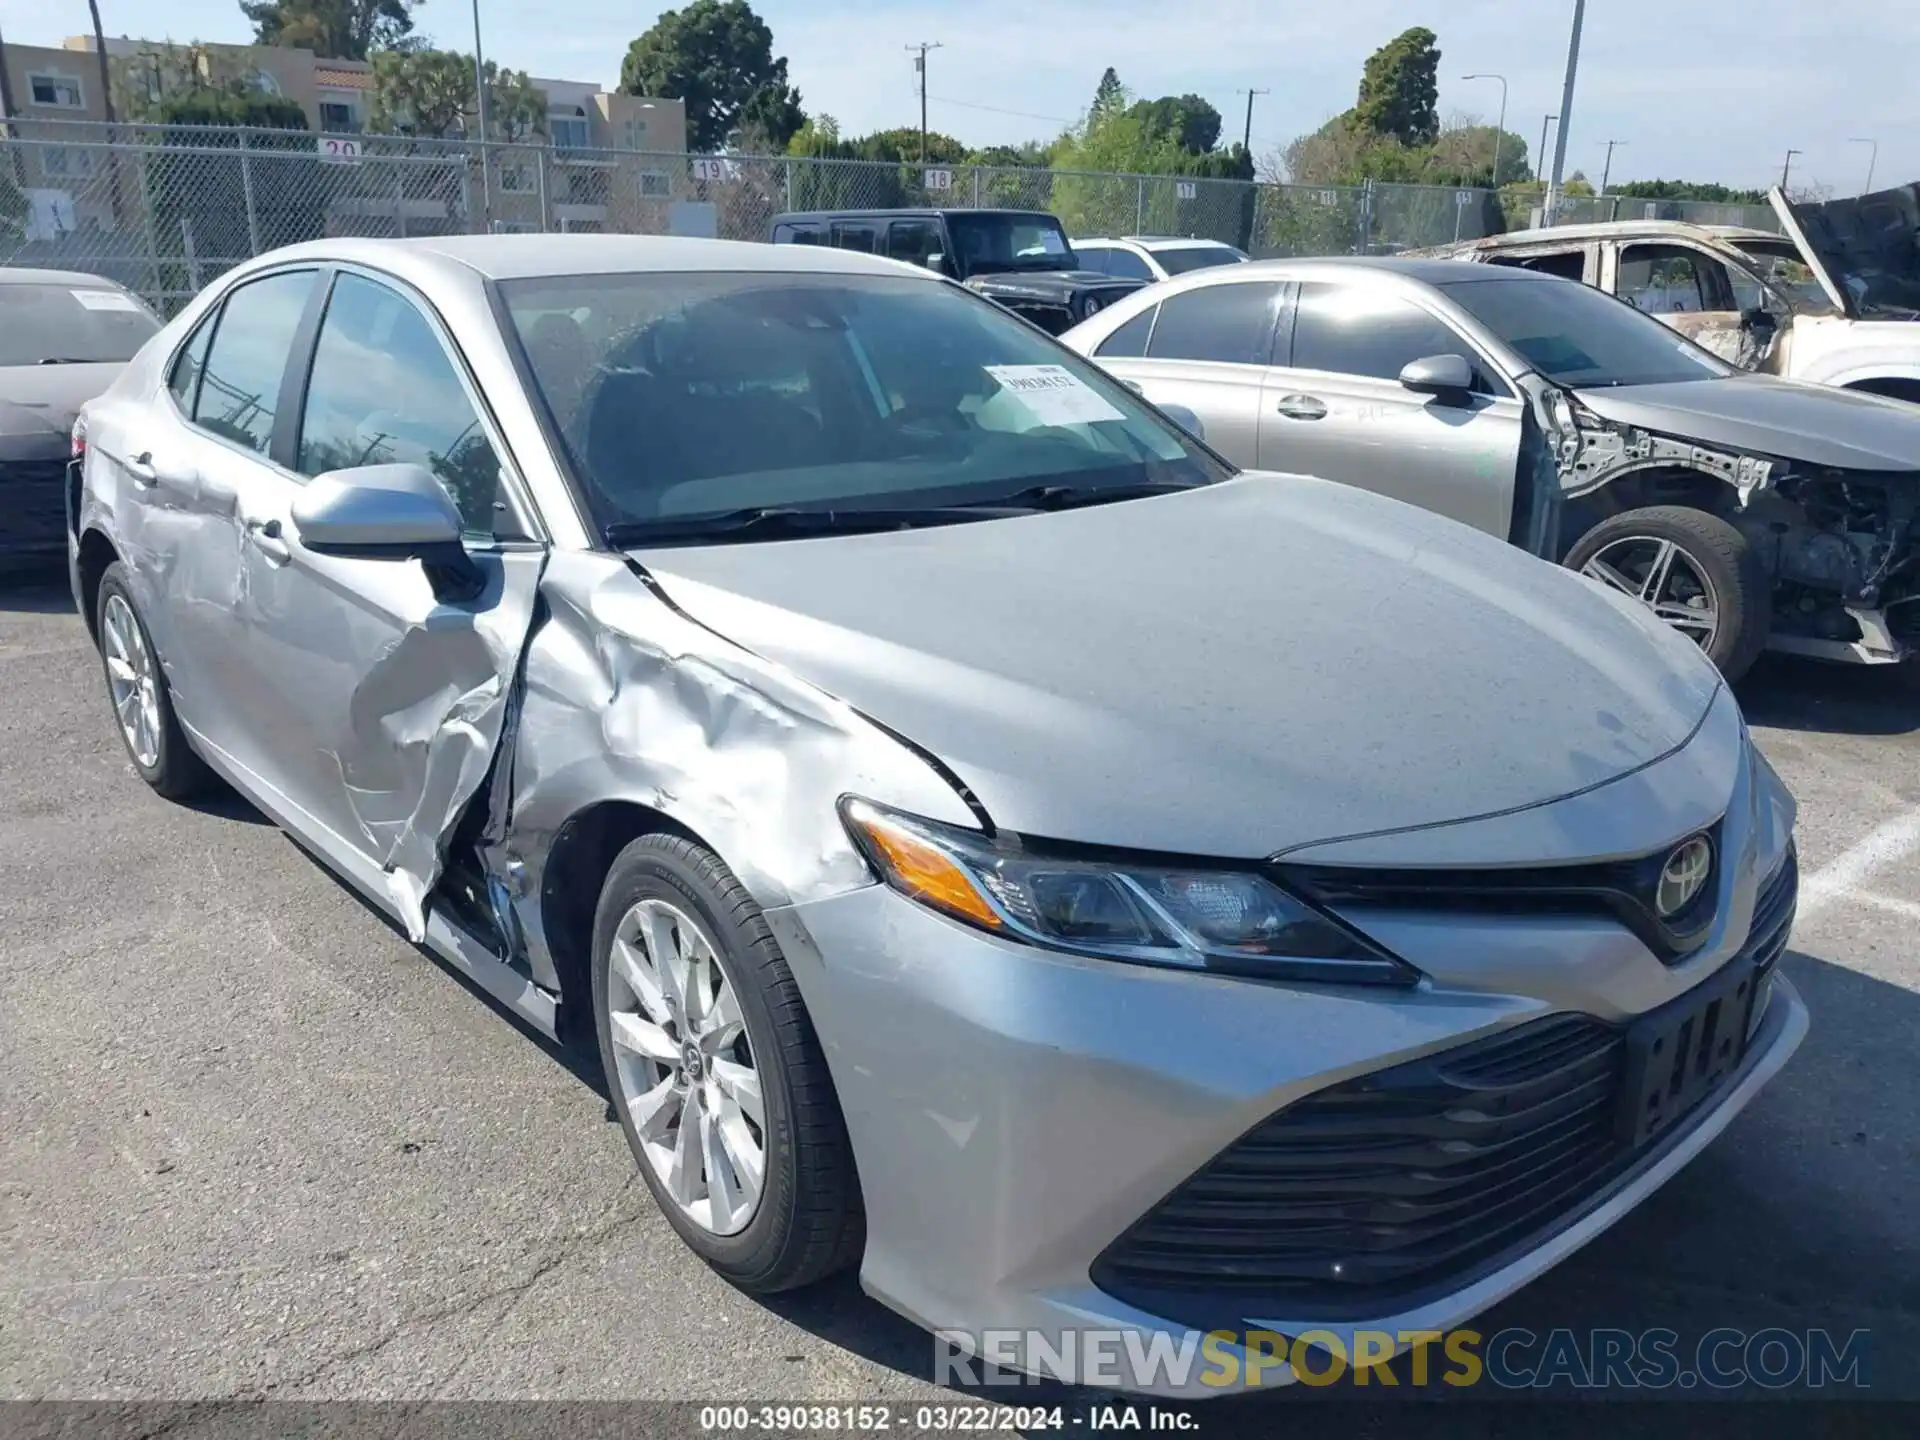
pixel 1232 922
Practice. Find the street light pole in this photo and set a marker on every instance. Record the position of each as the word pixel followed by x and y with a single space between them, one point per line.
pixel 1552 201
pixel 1607 170
pixel 1540 165
pixel 480 99
pixel 1246 139
pixel 1500 126
pixel 1786 168
pixel 1872 156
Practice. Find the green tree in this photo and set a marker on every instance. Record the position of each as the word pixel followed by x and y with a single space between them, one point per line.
pixel 332 29
pixel 1687 190
pixel 717 56
pixel 1190 119
pixel 431 93
pixel 1399 89
pixel 1109 95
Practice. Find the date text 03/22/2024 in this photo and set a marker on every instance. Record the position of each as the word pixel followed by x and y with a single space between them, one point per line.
pixel 931 1419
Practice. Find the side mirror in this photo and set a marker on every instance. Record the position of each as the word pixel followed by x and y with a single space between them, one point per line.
pixel 1185 419
pixel 1447 376
pixel 940 264
pixel 1759 319
pixel 386 512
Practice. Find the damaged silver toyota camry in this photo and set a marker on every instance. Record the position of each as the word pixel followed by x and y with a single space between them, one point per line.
pixel 989 840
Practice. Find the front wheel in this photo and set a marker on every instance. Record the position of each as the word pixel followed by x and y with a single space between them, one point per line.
pixel 715 1071
pixel 1693 570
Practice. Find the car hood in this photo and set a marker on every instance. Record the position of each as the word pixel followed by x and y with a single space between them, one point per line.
pixel 1048 284
pixel 1819 424
pixel 1865 250
pixel 38 404
pixel 1234 671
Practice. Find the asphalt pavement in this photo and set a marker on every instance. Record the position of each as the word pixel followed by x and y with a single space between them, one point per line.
pixel 253 1143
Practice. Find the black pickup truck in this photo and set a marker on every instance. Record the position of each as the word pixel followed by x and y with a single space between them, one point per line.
pixel 1019 258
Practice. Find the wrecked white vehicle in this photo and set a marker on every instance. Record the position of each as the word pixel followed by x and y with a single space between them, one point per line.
pixel 1834 300
pixel 956 805
pixel 1746 511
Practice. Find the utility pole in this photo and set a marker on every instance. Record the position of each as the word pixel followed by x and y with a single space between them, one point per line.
pixel 100 48
pixel 1246 138
pixel 6 85
pixel 1500 126
pixel 1540 165
pixel 920 69
pixel 1872 156
pixel 1566 111
pixel 1787 169
pixel 1608 169
pixel 480 101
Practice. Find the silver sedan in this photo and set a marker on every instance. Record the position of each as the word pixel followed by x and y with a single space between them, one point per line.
pixel 986 839
pixel 1746 512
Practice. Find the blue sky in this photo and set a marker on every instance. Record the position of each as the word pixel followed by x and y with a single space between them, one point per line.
pixel 1698 89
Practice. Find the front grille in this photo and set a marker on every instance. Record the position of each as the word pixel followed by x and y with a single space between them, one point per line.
pixel 1404 1183
pixel 33 506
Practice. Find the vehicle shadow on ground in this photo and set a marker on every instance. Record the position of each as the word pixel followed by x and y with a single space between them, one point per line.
pixel 36 592
pixel 1806 1199
pixel 1788 692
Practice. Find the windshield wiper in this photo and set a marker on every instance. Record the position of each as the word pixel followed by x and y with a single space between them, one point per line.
pixel 1066 497
pixel 65 360
pixel 763 522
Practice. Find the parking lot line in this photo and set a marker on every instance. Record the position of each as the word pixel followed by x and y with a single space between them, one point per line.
pixel 1843 877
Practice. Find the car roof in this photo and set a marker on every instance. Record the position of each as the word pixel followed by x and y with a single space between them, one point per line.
pixel 1334 267
pixel 1157 242
pixel 909 212
pixel 22 275
pixel 1604 229
pixel 515 257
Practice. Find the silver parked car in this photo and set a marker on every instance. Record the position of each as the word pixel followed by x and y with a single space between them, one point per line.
pixel 988 840
pixel 1746 511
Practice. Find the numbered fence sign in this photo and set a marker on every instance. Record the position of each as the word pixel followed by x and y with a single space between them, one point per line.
pixel 938 179
pixel 1463 198
pixel 1185 189
pixel 338 149
pixel 710 168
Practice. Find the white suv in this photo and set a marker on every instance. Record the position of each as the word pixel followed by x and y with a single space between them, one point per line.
pixel 1154 257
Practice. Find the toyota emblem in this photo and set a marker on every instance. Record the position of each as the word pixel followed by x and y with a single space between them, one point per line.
pixel 1684 876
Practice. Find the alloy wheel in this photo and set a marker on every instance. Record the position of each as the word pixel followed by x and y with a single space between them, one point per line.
pixel 1663 577
pixel 133 681
pixel 684 1066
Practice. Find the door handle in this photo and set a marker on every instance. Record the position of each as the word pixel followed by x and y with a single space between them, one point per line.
pixel 1302 407
pixel 140 467
pixel 266 538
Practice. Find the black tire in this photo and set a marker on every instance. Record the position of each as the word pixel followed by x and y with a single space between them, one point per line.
pixel 1719 553
pixel 177 772
pixel 809 1222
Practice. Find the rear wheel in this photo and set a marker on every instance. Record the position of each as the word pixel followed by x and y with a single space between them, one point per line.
pixel 1693 570
pixel 142 704
pixel 715 1072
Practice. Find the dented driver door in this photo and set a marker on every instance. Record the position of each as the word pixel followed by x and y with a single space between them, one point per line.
pixel 382 686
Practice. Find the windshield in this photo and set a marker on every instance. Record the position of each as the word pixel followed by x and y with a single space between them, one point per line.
pixel 1576 336
pixel 1779 264
pixel 989 242
pixel 695 394
pixel 76 324
pixel 1196 257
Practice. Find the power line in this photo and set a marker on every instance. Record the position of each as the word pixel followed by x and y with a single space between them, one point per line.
pixel 998 110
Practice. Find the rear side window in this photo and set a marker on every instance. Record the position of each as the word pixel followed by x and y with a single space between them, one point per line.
pixel 796 235
pixel 187 365
pixel 1130 340
pixel 863 238
pixel 1127 265
pixel 913 241
pixel 240 388
pixel 1228 323
pixel 1360 330
pixel 1092 258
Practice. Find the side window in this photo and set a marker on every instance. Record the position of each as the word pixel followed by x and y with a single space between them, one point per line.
pixel 1230 323
pixel 1093 257
pixel 184 382
pixel 1567 264
pixel 240 385
pixel 1130 340
pixel 1355 330
pixel 856 237
pixel 1672 280
pixel 1128 266
pixel 913 240
pixel 796 235
pixel 383 390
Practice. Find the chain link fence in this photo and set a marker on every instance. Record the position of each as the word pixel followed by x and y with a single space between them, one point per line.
pixel 165 209
pixel 1590 209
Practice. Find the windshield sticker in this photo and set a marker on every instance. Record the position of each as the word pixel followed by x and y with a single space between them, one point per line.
pixel 1053 395
pixel 106 300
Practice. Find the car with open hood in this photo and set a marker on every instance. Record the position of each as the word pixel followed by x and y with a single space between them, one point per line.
pixel 1745 511
pixel 985 839
pixel 1832 298
pixel 1020 259
pixel 64 335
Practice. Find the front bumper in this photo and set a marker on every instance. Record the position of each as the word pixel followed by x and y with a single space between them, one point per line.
pixel 1015 1111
